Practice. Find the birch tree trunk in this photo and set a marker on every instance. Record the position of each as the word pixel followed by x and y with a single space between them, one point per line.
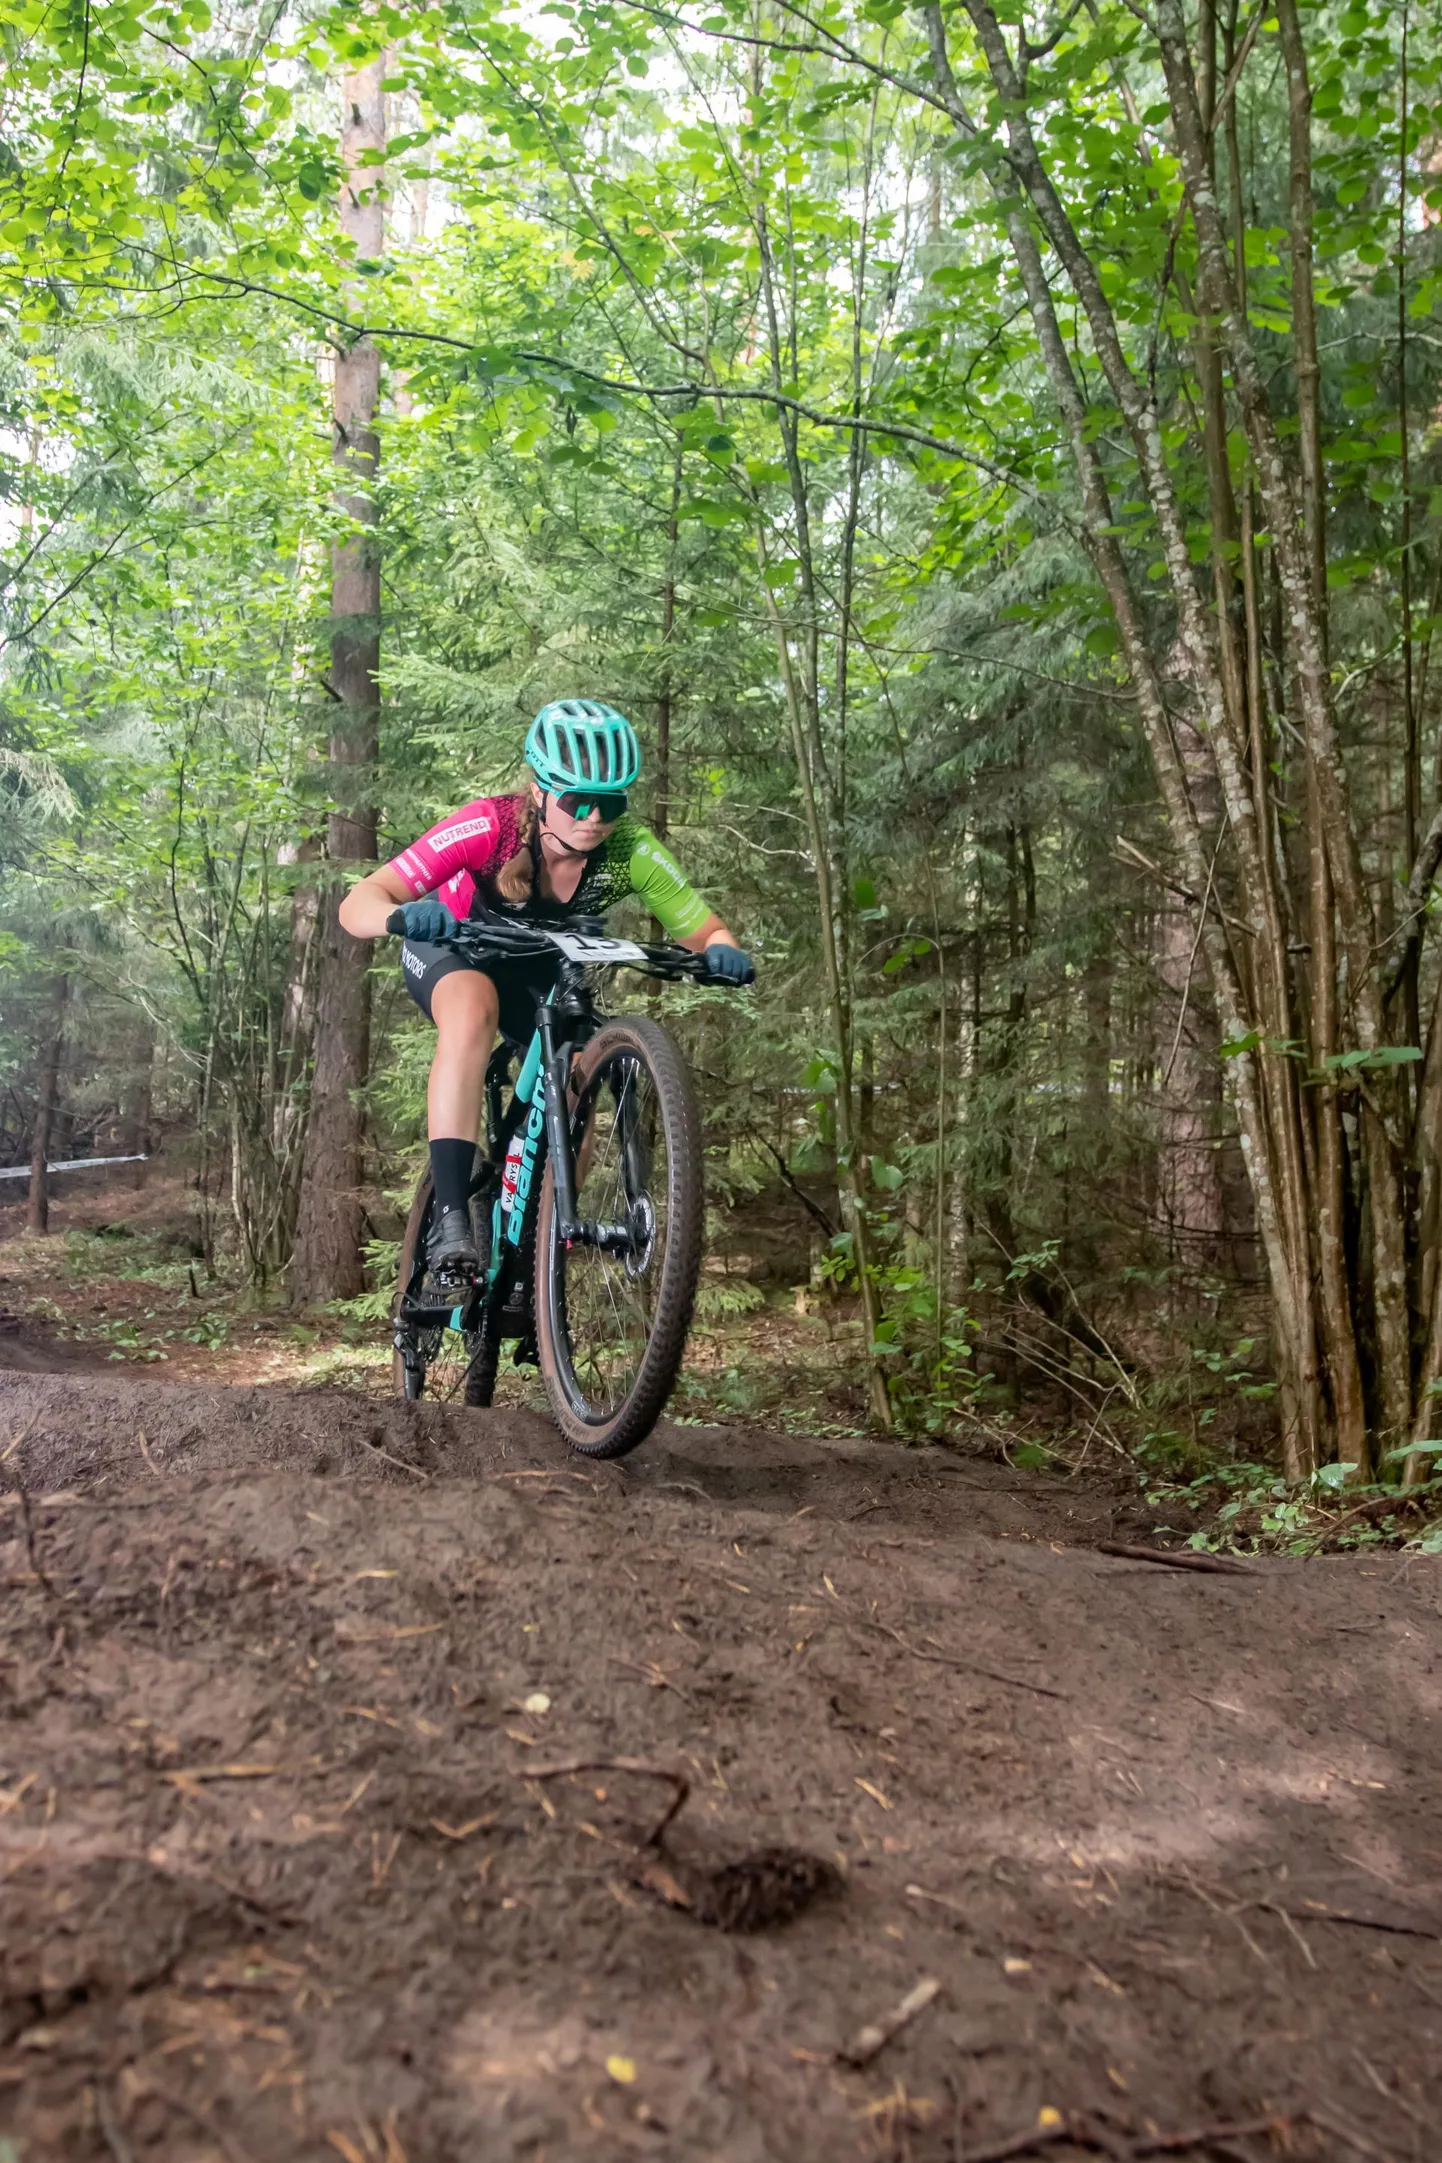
pixel 1190 1095
pixel 1290 1145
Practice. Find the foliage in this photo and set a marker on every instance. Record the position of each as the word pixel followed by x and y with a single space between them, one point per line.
pixel 713 384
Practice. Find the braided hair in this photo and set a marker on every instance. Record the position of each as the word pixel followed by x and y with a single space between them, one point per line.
pixel 516 878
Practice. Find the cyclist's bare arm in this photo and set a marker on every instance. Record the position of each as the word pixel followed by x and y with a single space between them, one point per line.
pixel 364 910
pixel 712 933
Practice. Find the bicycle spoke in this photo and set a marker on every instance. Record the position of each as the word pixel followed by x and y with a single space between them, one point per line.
pixel 622 1180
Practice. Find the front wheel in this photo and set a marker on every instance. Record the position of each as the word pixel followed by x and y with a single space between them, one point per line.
pixel 611 1320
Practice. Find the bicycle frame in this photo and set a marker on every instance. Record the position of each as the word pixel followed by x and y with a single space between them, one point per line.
pixel 541 1090
pixel 541 1097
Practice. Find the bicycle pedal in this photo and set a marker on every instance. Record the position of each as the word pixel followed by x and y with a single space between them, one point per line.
pixel 526 1353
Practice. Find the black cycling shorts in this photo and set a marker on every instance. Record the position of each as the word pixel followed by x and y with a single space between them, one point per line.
pixel 522 982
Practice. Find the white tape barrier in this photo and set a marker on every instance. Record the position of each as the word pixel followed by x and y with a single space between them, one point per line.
pixel 71 1164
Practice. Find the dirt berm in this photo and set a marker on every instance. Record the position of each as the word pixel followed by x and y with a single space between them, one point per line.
pixel 291 1865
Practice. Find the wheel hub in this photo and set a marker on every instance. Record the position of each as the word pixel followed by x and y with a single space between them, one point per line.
pixel 641 1224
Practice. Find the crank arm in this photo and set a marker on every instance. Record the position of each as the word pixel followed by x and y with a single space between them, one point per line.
pixel 462 1312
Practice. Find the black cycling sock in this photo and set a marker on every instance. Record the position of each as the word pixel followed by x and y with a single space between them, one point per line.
pixel 452 1163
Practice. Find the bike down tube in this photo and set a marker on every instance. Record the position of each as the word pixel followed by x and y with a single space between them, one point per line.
pixel 531 1132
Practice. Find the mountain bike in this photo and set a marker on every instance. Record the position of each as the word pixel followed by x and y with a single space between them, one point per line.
pixel 586 1202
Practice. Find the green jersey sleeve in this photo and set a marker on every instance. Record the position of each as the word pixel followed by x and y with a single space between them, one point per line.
pixel 662 885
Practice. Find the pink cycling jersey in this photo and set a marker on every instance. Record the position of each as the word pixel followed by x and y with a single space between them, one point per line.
pixel 458 859
pixel 448 860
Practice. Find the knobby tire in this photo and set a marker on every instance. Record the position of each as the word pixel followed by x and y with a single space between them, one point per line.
pixel 612 1431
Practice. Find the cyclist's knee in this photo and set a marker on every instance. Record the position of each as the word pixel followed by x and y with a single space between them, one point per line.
pixel 465 1008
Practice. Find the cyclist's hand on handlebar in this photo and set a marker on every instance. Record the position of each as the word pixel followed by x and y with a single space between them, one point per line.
pixel 730 965
pixel 427 921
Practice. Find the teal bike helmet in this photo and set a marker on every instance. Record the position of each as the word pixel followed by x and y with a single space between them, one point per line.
pixel 577 743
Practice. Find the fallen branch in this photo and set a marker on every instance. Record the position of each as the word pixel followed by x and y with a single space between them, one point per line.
pixel 1177 1558
pixel 1073 2128
pixel 640 1765
pixel 1313 1912
pixel 1204 2136
pixel 189 1777
pixel 1376 1506
pixel 967 1667
pixel 1360 1922
pixel 67 1499
pixel 871 2040
pixel 24 1435
pixel 1042 2136
pixel 399 1462
pixel 1325 2123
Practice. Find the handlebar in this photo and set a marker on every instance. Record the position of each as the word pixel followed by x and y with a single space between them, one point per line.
pixel 489 936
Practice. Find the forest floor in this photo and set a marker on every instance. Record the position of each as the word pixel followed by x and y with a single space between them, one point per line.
pixel 333 1732
pixel 120 1283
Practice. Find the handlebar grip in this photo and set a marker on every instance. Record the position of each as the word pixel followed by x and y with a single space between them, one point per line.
pixel 396 923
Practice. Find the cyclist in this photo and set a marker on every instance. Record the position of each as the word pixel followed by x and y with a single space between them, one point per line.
pixel 563 846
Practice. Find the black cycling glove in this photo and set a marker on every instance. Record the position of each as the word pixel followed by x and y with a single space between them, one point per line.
pixel 427 921
pixel 730 964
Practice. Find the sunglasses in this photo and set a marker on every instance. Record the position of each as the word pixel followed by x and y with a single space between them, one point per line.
pixel 610 803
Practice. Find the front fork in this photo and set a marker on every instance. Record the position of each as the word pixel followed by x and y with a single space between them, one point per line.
pixel 556 1055
pixel 557 1052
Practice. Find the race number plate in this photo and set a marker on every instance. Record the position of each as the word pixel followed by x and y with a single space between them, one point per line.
pixel 579 946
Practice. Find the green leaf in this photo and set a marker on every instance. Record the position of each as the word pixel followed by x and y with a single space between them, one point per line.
pixel 909 950
pixel 710 512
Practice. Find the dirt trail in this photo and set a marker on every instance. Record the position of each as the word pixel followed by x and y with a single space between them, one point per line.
pixel 275 1883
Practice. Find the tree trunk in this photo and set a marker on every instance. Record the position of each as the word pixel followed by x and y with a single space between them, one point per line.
pixel 138 1107
pixel 798 653
pixel 297 1019
pixel 330 1223
pixel 665 686
pixel 37 1216
pixel 1249 929
pixel 1339 1336
pixel 1190 1096
pixel 1312 691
